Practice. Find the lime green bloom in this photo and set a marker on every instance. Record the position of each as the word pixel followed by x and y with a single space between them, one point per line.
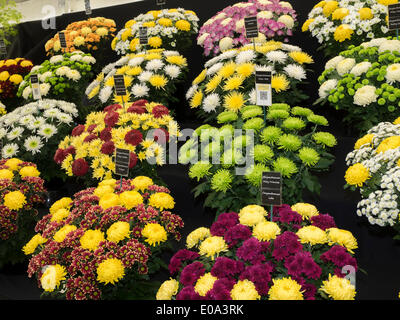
pixel 201 128
pixel 262 153
pixel 187 152
pixel 320 120
pixel 279 106
pixel 221 180
pixel 212 149
pixel 226 131
pixel 253 174
pixel 199 170
pixel 277 114
pixel 285 166
pixel 289 142
pixel 293 123
pixel 241 141
pixel 270 134
pixel 255 124
pixel 309 156
pixel 251 112
pixel 227 116
pixel 231 158
pixel 302 112
pixel 325 138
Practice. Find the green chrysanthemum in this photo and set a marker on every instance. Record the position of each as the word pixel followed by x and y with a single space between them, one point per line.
pixel 231 158
pixel 277 114
pixel 187 152
pixel 255 124
pixel 293 123
pixel 270 134
pixel 227 116
pixel 226 131
pixel 221 180
pixel 309 156
pixel 285 166
pixel 279 106
pixel 201 128
pixel 302 112
pixel 320 120
pixel 262 153
pixel 212 149
pixel 253 174
pixel 325 138
pixel 200 170
pixel 241 141
pixel 289 142
pixel 251 112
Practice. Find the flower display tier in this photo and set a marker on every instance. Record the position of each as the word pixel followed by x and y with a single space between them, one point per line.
pixel 12 73
pixel 21 193
pixel 61 76
pixel 364 82
pixel 32 132
pixel 144 128
pixel 373 168
pixel 338 24
pixel 297 254
pixel 104 242
pixel 276 20
pixel 171 29
pixel 228 81
pixel 151 75
pixel 228 161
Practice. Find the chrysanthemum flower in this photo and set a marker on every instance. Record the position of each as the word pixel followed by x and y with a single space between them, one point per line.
pixel 200 170
pixel 357 174
pixel 338 288
pixel 204 284
pixel 244 290
pixel 110 271
pixel 212 246
pixel 162 201
pixel 118 231
pixel 285 289
pixel 309 156
pixel 91 239
pixel 52 277
pixel 14 200
pixel 285 166
pixel 221 180
pixel 154 234
pixel 196 236
pixel 167 290
pixel 271 134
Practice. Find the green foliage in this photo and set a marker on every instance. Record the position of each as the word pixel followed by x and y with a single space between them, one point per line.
pixel 9 18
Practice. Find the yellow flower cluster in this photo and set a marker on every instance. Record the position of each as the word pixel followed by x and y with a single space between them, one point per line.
pixel 52 277
pixel 338 288
pixel 285 289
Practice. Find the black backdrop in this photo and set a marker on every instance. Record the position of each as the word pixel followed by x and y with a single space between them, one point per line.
pixel 378 254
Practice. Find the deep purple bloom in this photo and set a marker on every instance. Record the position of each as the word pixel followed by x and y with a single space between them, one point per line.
pixel 175 263
pixel 221 290
pixel 339 256
pixel 323 221
pixel 191 273
pixel 251 251
pixel 225 267
pixel 260 275
pixel 302 264
pixel 188 293
pixel 286 244
pixel 224 222
pixel 237 233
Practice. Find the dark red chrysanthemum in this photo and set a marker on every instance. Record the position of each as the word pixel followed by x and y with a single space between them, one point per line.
pixel 80 167
pixel 90 137
pixel 111 118
pixel 140 103
pixel 161 135
pixel 91 128
pixel 137 109
pixel 133 137
pixel 70 150
pixel 159 111
pixel 59 156
pixel 105 134
pixel 77 131
pixel 132 160
pixel 108 147
pixel 112 107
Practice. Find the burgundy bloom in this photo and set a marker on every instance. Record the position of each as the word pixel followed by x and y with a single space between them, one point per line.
pixel 78 130
pixel 309 291
pixel 133 137
pixel 260 275
pixel 237 233
pixel 302 264
pixel 177 259
pixel 111 118
pixel 80 167
pixel 226 268
pixel 191 273
pixel 91 128
pixel 339 256
pixel 140 103
pixel 112 107
pixel 250 250
pixel 108 147
pixel 188 293
pixel 90 137
pixel 132 160
pixel 105 134
pixel 224 222
pixel 137 109
pixel 161 135
pixel 287 215
pixel 221 290
pixel 159 111
pixel 70 150
pixel 323 221
pixel 286 244
pixel 59 156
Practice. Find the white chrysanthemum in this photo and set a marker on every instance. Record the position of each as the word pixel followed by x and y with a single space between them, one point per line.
pixel 36 69
pixel 264 14
pixel 15 133
pixel 47 131
pixel 212 61
pixel 73 75
pixel 76 57
pixel 287 21
pixel 226 21
pixel 226 55
pixel 211 102
pixel 374 42
pixel 64 117
pixel 277 56
pixel 145 76
pixel 44 89
pixel 3 133
pixel 51 113
pixel 9 150
pixel 68 108
pixel 226 43
pixel 390 45
pixel 286 4
pixel 56 59
pixel 361 68
pixel 326 87
pixel 290 48
pixel 345 66
pixel 365 96
pixel 26 92
pixel 168 53
pixel 43 77
pixel 191 91
pixel 172 71
pixel 140 90
pixel 253 96
pixel 202 38
pixel 154 65
pixel 33 144
pixel 37 123
pixel 62 71
pixel 135 61
pixel 25 120
pixel 332 63
pixel 122 61
pixel 89 60
pixel 214 69
pixel 393 73
pixel 245 56
pixel 105 94
pixel 295 71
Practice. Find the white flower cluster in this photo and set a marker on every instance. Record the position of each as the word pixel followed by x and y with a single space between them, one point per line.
pixel 381 206
pixel 56 69
pixel 167 33
pixel 323 27
pixel 139 70
pixel 28 128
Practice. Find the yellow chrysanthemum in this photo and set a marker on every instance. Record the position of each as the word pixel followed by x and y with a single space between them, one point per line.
pixel 389 144
pixel 227 70
pixel 338 288
pixel 266 230
pixel 6 174
pixel 312 235
pixel 279 82
pixel 63 203
pixel 212 246
pixel 14 200
pixel 110 271
pixel 4 75
pixel 59 215
pixel 213 83
pixel 167 290
pixel 162 201
pixel 32 244
pixel 149 24
pixel 154 234
pixel 245 69
pixel 142 183
pixel 204 284
pixel 306 25
pixel 196 236
pixel 233 83
pixel 365 14
pixel 285 289
pixel 109 200
pixel 343 238
pixel 320 4
pixel 343 32
pixel 301 57
pixel 387 2
pixel 13 163
pixel 178 60
pixel 340 13
pixel 158 81
pixel 118 231
pixel 234 101
pixel 130 199
pixel 197 99
pixel 94 92
pixel 367 139
pixel 101 191
pixel 357 174
pixel 306 210
pixel 200 78
pixel 133 44
pixel 252 215
pixel 91 239
pixel 165 22
pixel 182 25
pixel 29 171
pixel 244 290
pixel 329 7
pixel 397 121
pixel 52 277
pixel 16 78
pixel 60 235
pixel 155 42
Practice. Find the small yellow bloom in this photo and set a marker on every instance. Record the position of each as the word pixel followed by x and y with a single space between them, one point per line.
pixel 357 174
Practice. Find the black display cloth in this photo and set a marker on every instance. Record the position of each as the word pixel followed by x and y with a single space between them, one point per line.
pixel 378 253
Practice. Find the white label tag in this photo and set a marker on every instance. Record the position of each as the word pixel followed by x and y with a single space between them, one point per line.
pixel 264 94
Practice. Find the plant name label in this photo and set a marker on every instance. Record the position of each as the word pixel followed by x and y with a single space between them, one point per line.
pixel 119 85
pixel 394 16
pixel 35 87
pixel 143 37
pixel 263 88
pixel 122 158
pixel 88 9
pixel 271 188
pixel 63 41
pixel 251 26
